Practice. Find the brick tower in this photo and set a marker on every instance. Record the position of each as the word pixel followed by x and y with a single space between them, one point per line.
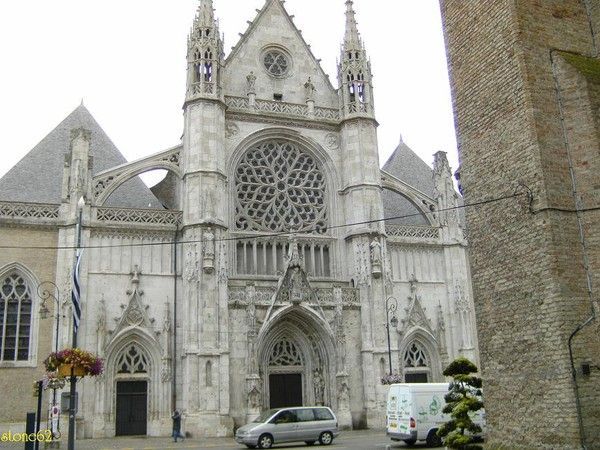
pixel 526 87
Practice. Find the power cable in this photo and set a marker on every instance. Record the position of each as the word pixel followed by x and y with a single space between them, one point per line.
pixel 265 235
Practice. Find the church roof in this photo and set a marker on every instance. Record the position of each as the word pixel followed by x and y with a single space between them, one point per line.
pixel 38 176
pixel 407 166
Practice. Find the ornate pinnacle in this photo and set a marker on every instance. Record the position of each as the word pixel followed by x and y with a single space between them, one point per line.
pixel 352 37
pixel 205 16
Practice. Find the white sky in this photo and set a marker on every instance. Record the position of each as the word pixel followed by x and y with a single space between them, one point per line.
pixel 126 59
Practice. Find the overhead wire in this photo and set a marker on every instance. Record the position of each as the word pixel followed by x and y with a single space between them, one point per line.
pixel 264 235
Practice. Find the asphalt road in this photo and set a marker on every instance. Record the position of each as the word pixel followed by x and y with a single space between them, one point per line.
pixel 355 440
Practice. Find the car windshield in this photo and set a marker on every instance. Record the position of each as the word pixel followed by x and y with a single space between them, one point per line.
pixel 265 415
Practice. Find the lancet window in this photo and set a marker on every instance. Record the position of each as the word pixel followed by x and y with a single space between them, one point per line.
pixel 15 318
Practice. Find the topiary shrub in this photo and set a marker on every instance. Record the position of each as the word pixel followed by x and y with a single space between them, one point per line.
pixel 463 397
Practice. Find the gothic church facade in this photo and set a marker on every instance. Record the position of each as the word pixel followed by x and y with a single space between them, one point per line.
pixel 260 272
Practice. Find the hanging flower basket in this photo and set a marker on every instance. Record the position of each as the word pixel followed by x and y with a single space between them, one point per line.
pixel 392 379
pixel 52 381
pixel 82 363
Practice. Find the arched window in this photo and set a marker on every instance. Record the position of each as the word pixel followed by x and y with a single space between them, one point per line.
pixel 132 360
pixel 416 364
pixel 15 318
pixel 279 188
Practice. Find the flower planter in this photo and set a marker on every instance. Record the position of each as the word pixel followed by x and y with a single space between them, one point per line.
pixel 64 370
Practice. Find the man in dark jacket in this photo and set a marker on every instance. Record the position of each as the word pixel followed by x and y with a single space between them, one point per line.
pixel 177 426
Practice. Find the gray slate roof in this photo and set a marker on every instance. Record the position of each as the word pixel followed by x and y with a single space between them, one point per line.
pixel 38 176
pixel 407 166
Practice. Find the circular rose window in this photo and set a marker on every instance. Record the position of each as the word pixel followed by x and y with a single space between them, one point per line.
pixel 276 62
pixel 280 188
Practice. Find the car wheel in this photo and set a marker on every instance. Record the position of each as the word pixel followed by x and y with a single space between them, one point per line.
pixel 433 440
pixel 265 441
pixel 326 438
pixel 410 442
pixel 309 443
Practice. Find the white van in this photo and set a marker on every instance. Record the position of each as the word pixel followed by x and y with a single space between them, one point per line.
pixel 414 412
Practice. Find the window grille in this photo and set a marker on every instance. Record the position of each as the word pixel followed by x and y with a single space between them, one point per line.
pixel 132 360
pixel 285 353
pixel 415 356
pixel 15 319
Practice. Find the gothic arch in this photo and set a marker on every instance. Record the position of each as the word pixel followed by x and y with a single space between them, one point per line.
pixel 428 343
pixel 107 181
pixel 32 283
pixel 158 390
pixel 314 343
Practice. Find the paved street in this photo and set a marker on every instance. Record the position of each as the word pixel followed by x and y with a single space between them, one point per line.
pixel 355 440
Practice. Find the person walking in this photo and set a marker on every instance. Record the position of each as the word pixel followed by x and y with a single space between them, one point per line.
pixel 177 426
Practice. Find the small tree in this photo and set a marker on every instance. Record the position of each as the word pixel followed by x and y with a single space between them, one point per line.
pixel 463 397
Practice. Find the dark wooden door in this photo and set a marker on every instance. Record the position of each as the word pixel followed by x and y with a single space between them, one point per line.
pixel 132 397
pixel 285 390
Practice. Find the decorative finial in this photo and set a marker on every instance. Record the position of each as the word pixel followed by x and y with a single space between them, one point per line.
pixel 352 37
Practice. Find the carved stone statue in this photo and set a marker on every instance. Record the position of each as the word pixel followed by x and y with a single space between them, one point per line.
pixel 319 386
pixel 208 262
pixel 251 83
pixel 375 258
pixel 344 396
pixel 309 89
pixel 254 398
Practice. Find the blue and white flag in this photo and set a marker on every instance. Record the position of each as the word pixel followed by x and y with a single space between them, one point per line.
pixel 76 294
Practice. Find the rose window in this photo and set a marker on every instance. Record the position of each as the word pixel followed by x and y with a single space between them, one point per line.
pixel 280 188
pixel 276 63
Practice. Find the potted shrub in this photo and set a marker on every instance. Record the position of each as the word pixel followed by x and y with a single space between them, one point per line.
pixel 462 400
pixel 74 361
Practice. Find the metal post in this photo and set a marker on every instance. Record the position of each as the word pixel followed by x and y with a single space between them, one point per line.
pixel 73 391
pixel 390 307
pixel 38 415
pixel 51 292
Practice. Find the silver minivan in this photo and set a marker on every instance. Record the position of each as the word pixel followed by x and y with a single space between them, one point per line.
pixel 309 424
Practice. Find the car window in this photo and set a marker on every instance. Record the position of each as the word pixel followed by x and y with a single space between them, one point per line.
pixel 322 414
pixel 285 416
pixel 305 415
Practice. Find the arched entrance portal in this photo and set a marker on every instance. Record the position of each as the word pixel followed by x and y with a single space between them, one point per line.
pixel 132 392
pixel 296 358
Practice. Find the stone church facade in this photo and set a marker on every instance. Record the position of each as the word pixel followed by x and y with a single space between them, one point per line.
pixel 260 272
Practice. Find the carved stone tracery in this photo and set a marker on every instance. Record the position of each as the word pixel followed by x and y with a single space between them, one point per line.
pixel 280 188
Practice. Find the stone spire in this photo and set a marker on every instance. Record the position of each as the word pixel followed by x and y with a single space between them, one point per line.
pixel 352 37
pixel 354 71
pixel 205 54
pixel 205 16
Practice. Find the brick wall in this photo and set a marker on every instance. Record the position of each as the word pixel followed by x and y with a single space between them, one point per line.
pixel 18 382
pixel 522 108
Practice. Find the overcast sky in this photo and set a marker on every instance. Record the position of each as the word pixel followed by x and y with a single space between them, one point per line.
pixel 126 59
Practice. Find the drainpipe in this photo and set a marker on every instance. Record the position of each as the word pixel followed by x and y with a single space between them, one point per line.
pixel 174 378
pixel 586 264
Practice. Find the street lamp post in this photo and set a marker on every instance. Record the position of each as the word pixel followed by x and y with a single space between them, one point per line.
pixel 390 308
pixel 46 290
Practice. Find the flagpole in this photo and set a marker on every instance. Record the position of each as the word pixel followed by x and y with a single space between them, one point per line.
pixel 73 391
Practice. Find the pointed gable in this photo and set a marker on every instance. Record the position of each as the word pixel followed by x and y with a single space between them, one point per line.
pixel 273 28
pixel 38 177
